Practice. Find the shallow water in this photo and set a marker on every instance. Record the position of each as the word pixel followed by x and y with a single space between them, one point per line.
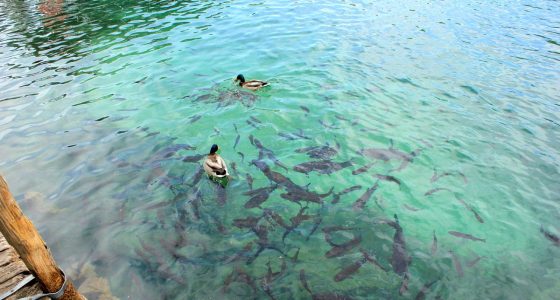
pixel 97 94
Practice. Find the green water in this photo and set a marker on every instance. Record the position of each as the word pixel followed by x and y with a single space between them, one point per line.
pixel 471 87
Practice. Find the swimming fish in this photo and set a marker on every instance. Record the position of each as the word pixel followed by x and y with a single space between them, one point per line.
pixel 321 166
pixel 400 259
pixel 551 237
pixel 432 191
pixel 371 259
pixel 319 152
pixel 361 202
pixel 363 169
pixel 236 141
pixel 437 176
pixel 242 156
pixel 249 180
pixel 263 151
pixel 194 118
pixel 304 108
pixel 342 249
pixel 255 120
pixel 476 215
pixel 248 222
pixel 316 224
pixel 326 296
pixel 390 154
pixel 336 196
pixel 410 208
pixel 350 270
pixel 296 221
pixel 434 244
pixel 197 176
pixel 259 196
pixel 473 262
pixel 466 236
pixel 457 264
pixel 388 178
pixel 193 158
pixel 327 126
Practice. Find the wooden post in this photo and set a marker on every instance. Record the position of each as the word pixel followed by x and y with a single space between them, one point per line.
pixel 23 236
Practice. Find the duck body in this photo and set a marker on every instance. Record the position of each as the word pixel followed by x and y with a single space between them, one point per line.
pixel 252 85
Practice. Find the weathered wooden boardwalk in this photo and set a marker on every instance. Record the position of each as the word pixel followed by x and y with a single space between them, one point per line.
pixel 13 271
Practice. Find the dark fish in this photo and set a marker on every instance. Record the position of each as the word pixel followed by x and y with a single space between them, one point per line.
pixel 342 249
pixel 361 202
pixel 390 154
pixel 372 260
pixel 328 230
pixel 388 178
pixel 319 152
pixel 363 169
pixel 252 124
pixel 259 197
pixel 410 208
pixel 349 270
pixel 400 259
pixel 336 196
pixel 236 141
pixel 432 191
pixel 473 262
pixel 466 236
pixel 197 176
pixel 304 281
pixel 242 156
pixel 255 120
pixel 457 264
pixel 476 215
pixel 342 118
pixel 328 126
pixel 263 151
pixel 193 158
pixel 551 236
pixel 425 288
pixel 304 108
pixel 434 244
pixel 316 224
pixel 437 176
pixel 101 119
pixel 248 222
pixel 321 166
pixel 276 217
pixel 296 221
pixel 287 136
pixel 194 118
pixel 235 127
pixel 295 257
pixel 249 181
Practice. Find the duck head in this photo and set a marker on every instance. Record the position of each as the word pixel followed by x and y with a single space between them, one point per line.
pixel 240 78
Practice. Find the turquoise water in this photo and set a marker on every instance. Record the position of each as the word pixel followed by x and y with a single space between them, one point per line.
pixel 96 96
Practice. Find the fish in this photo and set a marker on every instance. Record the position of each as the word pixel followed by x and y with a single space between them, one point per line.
pixel 466 236
pixel 350 270
pixel 276 217
pixel 194 118
pixel 197 176
pixel 259 197
pixel 235 127
pixel 437 176
pixel 457 264
pixel 342 249
pixel 390 154
pixel 422 293
pixel 400 259
pixel 371 259
pixel 101 119
pixel 296 221
pixel 236 141
pixel 336 196
pixel 318 152
pixel 316 224
pixel 473 262
pixel 255 120
pixel 193 158
pixel 304 108
pixel 342 118
pixel 248 222
pixel 432 191
pixel 328 230
pixel 295 257
pixel 252 124
pixel 551 236
pixel 327 126
pixel 249 180
pixel 263 151
pixel 361 202
pixel 242 156
pixel 303 281
pixel 388 178
pixel 434 244
pixel 363 169
pixel 287 136
pixel 476 215
pixel 410 208
pixel 321 166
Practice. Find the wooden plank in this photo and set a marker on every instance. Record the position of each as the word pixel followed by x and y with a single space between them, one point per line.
pixel 24 237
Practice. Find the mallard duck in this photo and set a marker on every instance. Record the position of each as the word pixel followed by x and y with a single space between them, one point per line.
pixel 252 85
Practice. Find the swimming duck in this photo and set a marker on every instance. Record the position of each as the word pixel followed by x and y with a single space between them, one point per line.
pixel 252 85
